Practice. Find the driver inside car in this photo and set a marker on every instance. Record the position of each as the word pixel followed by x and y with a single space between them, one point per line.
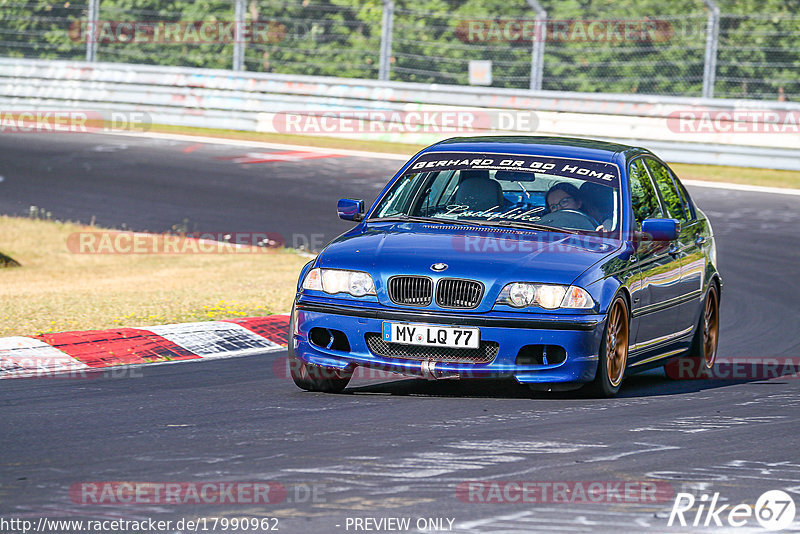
pixel 564 196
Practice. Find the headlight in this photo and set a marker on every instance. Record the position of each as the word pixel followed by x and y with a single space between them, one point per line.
pixel 550 296
pixel 521 295
pixel 334 281
pixel 360 284
pixel 547 296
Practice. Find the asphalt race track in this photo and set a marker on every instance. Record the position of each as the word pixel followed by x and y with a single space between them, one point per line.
pixel 387 448
pixel 154 184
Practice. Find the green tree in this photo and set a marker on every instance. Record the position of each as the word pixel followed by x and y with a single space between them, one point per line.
pixel 757 55
pixel 41 29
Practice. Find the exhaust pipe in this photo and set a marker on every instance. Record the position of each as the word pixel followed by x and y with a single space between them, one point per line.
pixel 429 372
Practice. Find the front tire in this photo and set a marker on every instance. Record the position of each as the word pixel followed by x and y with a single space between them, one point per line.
pixel 312 377
pixel 613 357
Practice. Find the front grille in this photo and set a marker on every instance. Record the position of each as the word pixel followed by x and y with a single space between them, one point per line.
pixel 411 290
pixel 454 293
pixel 484 354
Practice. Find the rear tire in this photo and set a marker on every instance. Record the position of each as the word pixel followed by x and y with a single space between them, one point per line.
pixel 312 377
pixel 613 357
pixel 699 360
pixel 706 338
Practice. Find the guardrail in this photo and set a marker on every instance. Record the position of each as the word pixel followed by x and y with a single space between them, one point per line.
pixel 722 132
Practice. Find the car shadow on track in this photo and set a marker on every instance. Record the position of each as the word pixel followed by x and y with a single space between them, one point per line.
pixel 651 383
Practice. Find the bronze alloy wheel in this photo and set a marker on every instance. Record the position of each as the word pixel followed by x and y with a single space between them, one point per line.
pixel 617 342
pixel 710 328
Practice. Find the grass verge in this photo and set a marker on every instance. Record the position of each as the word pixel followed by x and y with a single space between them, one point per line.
pixel 738 175
pixel 710 173
pixel 56 290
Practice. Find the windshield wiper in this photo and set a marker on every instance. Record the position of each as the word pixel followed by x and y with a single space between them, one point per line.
pixel 462 222
pixel 407 218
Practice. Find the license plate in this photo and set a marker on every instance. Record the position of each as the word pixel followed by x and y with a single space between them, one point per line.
pixel 430 335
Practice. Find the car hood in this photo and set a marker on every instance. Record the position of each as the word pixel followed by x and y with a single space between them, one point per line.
pixel 493 256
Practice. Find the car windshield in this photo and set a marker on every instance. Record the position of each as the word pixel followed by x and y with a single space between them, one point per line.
pixel 508 190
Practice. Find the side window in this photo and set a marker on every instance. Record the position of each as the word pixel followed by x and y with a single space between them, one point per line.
pixel 643 197
pixel 687 200
pixel 669 192
pixel 400 195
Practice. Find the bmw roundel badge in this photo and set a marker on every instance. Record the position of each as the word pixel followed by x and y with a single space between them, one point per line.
pixel 438 267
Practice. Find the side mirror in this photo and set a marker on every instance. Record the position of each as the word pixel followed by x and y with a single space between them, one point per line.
pixel 350 209
pixel 661 229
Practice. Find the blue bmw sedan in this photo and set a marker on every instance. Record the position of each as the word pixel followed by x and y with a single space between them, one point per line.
pixel 556 262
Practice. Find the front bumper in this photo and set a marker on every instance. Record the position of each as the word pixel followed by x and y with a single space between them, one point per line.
pixel 578 334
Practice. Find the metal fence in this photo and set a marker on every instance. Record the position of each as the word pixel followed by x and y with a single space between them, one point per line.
pixel 680 48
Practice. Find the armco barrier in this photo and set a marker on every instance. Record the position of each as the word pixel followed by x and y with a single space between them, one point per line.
pixel 249 101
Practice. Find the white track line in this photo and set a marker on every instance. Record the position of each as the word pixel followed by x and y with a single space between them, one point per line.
pixel 261 144
pixel 743 187
pixel 404 157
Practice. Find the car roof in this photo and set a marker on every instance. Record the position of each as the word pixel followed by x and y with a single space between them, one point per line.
pixel 569 147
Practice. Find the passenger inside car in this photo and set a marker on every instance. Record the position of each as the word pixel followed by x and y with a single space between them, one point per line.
pixel 598 202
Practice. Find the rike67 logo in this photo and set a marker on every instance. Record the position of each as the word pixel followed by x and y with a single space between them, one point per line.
pixel 774 510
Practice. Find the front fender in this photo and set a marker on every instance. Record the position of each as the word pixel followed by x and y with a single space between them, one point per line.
pixel 604 280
